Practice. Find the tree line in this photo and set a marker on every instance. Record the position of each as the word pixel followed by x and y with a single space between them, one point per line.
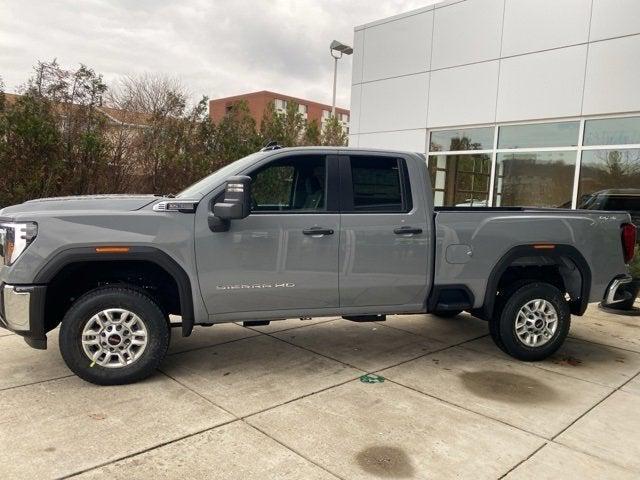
pixel 68 133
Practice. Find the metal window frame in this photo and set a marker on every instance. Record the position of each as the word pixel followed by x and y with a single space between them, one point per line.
pixel 578 167
pixel 494 164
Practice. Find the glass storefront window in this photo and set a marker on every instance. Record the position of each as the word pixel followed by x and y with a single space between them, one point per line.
pixel 608 170
pixel 462 139
pixel 460 180
pixel 542 179
pixel 612 131
pixel 610 180
pixel 536 164
pixel 561 134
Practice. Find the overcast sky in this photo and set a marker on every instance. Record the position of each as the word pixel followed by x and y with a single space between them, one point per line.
pixel 216 47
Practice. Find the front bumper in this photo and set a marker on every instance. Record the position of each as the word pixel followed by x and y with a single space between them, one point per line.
pixel 22 312
pixel 615 291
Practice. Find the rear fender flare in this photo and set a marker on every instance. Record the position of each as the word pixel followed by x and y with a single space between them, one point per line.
pixel 529 251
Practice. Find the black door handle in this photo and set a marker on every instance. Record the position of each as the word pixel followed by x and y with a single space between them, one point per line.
pixel 406 230
pixel 317 231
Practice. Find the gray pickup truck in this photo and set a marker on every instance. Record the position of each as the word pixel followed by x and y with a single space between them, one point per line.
pixel 302 232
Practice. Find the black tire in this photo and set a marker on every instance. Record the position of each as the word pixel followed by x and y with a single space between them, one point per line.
pixel 502 325
pixel 501 300
pixel 95 301
pixel 446 313
pixel 494 329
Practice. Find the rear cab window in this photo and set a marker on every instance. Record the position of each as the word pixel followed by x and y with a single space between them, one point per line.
pixel 375 184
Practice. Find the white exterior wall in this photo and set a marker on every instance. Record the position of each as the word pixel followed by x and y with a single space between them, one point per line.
pixel 481 62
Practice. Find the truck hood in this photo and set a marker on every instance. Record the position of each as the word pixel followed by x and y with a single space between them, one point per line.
pixel 117 203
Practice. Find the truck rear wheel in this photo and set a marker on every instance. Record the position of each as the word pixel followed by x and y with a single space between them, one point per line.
pixel 113 336
pixel 532 323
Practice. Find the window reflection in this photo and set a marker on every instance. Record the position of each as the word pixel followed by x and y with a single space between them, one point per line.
pixel 610 180
pixel 561 134
pixel 462 139
pixel 543 179
pixel 612 131
pixel 460 180
pixel 603 169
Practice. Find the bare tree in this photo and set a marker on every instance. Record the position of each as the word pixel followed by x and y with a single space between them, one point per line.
pixel 157 95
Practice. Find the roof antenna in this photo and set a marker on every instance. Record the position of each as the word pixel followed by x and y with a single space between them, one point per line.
pixel 271 145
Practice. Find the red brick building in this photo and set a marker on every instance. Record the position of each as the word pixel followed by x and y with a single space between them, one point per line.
pixel 258 101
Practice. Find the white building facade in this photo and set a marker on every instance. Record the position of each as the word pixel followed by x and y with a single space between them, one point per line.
pixel 515 102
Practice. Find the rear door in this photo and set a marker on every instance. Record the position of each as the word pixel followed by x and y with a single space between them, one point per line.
pixel 385 239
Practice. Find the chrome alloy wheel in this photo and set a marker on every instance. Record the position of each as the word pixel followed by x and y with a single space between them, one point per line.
pixel 536 323
pixel 114 338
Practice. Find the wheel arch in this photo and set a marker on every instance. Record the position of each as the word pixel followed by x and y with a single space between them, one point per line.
pixel 152 255
pixel 548 255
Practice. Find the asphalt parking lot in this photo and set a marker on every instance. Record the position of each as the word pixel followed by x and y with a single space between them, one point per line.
pixel 287 401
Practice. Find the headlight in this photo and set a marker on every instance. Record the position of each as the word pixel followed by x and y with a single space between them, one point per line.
pixel 14 239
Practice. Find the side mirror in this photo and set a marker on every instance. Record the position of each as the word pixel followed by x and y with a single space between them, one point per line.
pixel 236 204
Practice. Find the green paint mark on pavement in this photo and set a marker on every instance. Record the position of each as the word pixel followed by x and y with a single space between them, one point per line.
pixel 371 378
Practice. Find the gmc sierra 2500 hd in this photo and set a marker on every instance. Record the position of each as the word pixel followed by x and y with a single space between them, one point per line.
pixel 296 233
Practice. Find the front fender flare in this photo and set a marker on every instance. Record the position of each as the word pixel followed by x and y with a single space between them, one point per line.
pixel 151 254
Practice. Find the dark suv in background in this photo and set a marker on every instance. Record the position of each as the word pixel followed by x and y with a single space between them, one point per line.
pixel 619 199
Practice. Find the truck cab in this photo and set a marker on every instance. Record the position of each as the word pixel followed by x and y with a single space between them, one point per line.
pixel 326 234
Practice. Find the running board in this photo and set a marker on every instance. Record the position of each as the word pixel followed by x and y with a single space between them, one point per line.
pixel 255 323
pixel 366 318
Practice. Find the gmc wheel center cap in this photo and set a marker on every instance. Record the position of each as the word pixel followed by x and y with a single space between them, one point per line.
pixel 114 339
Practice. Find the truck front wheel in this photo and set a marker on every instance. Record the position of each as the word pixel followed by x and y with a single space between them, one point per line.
pixel 113 336
pixel 532 323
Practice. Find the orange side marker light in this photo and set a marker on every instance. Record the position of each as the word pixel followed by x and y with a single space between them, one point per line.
pixel 112 249
pixel 544 247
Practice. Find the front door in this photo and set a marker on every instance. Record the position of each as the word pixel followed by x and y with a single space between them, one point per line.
pixel 283 258
pixel 385 234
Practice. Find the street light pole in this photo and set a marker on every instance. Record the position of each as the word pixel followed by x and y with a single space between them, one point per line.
pixel 337 49
pixel 335 79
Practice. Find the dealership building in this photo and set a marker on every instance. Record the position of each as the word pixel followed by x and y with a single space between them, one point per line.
pixel 515 102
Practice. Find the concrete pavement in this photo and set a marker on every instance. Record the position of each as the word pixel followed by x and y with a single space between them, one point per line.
pixel 286 401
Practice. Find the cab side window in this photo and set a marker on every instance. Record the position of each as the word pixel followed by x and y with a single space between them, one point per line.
pixel 379 184
pixel 293 184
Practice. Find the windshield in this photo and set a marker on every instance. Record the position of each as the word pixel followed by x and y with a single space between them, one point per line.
pixel 208 183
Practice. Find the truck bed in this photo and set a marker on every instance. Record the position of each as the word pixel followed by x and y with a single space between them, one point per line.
pixel 470 241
